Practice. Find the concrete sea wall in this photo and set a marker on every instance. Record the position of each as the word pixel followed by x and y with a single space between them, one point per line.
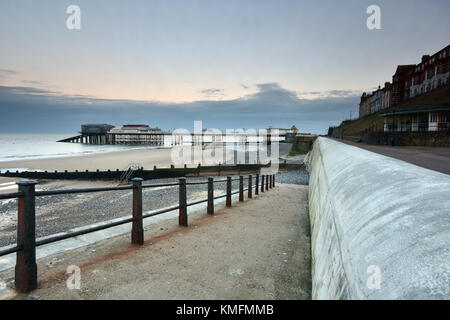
pixel 303 143
pixel 380 227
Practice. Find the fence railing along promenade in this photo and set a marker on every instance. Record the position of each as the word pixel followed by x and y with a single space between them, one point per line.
pixel 25 248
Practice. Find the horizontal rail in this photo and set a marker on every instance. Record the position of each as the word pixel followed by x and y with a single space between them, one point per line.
pixel 221 196
pixel 80 232
pixel 82 190
pixel 196 202
pixel 10 250
pixel 160 212
pixel 101 189
pixel 160 185
pixel 194 183
pixel 10 195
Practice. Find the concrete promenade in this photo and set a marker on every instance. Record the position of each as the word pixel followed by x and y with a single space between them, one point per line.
pixel 434 158
pixel 258 249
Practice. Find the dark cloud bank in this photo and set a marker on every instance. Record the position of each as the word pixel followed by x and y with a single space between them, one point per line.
pixel 28 109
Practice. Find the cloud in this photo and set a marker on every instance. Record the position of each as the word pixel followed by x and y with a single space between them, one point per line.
pixel 6 73
pixel 32 82
pixel 213 93
pixel 29 109
pixel 329 94
pixel 32 91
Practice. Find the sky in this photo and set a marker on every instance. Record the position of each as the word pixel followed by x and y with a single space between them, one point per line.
pixel 231 64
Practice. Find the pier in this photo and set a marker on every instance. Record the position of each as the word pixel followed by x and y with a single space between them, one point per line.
pixel 99 134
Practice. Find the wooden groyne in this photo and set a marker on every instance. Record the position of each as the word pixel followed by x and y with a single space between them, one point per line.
pixel 155 173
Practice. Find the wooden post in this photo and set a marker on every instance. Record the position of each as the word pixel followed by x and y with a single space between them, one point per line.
pixel 267 182
pixel 26 267
pixel 241 188
pixel 257 184
pixel 182 218
pixel 210 195
pixel 228 202
pixel 273 182
pixel 262 183
pixel 137 230
pixel 270 181
pixel 250 186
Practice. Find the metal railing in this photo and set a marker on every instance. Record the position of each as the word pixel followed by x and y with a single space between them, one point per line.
pixel 418 127
pixel 25 248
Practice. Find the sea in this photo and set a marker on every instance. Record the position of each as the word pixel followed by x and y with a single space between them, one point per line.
pixel 20 146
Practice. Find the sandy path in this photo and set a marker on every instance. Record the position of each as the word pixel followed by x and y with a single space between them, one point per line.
pixel 259 249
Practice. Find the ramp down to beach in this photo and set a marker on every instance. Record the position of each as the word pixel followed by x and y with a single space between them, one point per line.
pixel 258 249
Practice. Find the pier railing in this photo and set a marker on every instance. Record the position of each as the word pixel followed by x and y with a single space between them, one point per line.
pixel 25 248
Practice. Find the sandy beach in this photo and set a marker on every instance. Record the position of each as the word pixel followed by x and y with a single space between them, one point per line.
pixel 102 161
pixel 147 158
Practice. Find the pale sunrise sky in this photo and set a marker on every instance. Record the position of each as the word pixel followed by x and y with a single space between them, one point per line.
pixel 182 53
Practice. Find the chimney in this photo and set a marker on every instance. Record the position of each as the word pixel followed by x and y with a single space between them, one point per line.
pixel 425 57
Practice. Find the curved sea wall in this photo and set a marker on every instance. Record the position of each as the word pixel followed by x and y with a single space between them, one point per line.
pixel 380 227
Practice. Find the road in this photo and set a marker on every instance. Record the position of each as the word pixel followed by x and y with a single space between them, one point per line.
pixel 434 158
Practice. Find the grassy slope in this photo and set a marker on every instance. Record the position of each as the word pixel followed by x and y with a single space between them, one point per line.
pixel 437 97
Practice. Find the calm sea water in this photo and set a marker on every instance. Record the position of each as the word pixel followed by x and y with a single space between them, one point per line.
pixel 38 146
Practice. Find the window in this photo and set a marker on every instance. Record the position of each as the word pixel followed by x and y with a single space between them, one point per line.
pixel 433 117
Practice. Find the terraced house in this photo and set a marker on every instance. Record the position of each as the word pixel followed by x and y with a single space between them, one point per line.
pixel 432 72
pixel 410 81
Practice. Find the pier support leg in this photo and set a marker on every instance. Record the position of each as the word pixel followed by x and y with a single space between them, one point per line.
pixel 250 186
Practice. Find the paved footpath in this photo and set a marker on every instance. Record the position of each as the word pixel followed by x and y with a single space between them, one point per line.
pixel 259 249
pixel 434 158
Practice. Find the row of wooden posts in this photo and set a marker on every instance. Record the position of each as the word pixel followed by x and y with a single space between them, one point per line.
pixel 26 267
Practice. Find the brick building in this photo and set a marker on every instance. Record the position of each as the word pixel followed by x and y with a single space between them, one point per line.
pixel 376 101
pixel 408 82
pixel 412 80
